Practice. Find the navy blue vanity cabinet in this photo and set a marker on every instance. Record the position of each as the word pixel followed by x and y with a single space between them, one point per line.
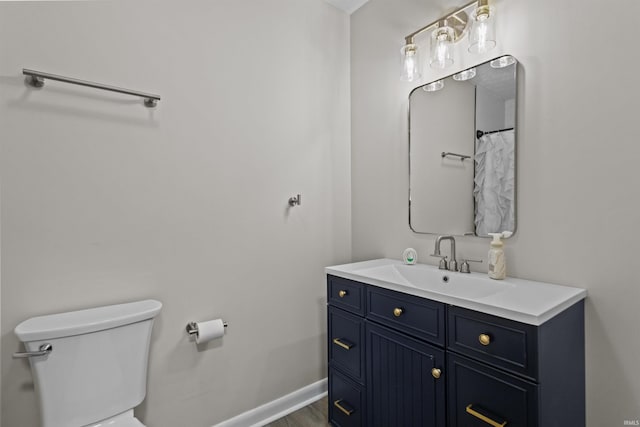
pixel 398 360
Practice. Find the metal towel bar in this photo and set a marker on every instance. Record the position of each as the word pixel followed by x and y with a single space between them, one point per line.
pixel 37 78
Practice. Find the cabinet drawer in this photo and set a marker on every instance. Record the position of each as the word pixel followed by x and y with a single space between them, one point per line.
pixel 346 294
pixel 413 315
pixel 501 342
pixel 346 343
pixel 476 391
pixel 346 401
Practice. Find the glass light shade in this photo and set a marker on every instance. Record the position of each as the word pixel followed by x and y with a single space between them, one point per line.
pixel 433 87
pixel 441 47
pixel 410 63
pixel 465 75
pixel 503 61
pixel 482 37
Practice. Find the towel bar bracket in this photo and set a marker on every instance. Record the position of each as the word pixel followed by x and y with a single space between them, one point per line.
pixel 35 81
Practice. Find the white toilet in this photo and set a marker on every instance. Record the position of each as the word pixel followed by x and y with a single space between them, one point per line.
pixel 96 370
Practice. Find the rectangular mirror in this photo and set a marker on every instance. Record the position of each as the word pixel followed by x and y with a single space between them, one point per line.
pixel 462 140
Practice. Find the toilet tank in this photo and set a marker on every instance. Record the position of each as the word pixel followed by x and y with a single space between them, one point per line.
pixel 98 365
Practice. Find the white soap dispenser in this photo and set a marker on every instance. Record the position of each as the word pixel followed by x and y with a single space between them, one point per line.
pixel 497 263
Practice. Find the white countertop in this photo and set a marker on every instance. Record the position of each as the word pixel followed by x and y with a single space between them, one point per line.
pixel 521 300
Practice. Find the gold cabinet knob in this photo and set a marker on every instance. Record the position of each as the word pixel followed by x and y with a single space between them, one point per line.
pixel 342 294
pixel 397 312
pixel 484 339
pixel 436 373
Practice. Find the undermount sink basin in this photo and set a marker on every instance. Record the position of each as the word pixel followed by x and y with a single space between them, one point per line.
pixel 430 278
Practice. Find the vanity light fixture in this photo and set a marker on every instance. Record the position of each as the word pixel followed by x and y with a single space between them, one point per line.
pixel 482 37
pixel 448 30
pixel 410 63
pixel 503 61
pixel 433 87
pixel 465 75
pixel 442 46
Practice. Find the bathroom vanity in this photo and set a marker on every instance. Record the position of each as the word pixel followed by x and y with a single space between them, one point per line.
pixel 418 346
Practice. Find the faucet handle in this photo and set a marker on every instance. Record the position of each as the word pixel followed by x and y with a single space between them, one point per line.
pixel 464 267
pixel 443 265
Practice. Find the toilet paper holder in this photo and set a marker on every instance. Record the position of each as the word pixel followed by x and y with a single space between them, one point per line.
pixel 192 327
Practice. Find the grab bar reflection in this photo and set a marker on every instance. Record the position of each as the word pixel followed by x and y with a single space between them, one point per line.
pixel 461 156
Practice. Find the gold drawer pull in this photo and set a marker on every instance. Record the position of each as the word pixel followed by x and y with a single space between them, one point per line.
pixel 484 339
pixel 435 372
pixel 346 346
pixel 338 405
pixel 484 417
pixel 342 293
pixel 398 312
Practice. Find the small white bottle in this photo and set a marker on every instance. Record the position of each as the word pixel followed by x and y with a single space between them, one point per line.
pixel 497 263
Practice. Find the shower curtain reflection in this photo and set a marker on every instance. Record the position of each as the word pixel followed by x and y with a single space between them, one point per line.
pixel 494 182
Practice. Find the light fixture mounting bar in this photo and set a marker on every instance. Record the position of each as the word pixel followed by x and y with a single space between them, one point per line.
pixel 409 39
pixel 37 79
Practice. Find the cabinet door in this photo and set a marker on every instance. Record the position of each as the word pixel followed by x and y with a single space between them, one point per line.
pixel 401 387
pixel 480 396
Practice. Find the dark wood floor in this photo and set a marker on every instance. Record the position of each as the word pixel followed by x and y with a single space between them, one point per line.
pixel 314 415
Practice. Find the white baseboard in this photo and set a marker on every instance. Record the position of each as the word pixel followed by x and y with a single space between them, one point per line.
pixel 278 408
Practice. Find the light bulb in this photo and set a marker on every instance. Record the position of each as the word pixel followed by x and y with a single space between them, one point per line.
pixel 410 63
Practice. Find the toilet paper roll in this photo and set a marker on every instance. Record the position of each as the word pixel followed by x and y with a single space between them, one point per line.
pixel 209 330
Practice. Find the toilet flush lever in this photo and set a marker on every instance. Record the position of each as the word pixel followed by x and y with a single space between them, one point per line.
pixel 44 350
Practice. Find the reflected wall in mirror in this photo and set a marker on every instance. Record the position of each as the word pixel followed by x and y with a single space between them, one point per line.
pixel 462 152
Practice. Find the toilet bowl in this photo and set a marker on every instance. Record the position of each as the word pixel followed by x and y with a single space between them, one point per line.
pixel 96 371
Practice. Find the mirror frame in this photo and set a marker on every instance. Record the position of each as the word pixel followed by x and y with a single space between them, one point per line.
pixel 515 151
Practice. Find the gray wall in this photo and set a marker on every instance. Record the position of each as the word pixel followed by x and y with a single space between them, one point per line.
pixel 105 201
pixel 577 165
pixel 491 116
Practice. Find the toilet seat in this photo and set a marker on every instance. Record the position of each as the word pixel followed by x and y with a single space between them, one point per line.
pixel 125 419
